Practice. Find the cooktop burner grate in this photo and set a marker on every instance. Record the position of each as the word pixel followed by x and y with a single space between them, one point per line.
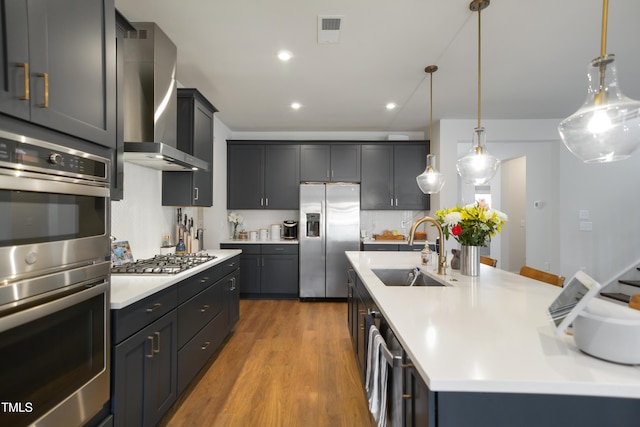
pixel 163 264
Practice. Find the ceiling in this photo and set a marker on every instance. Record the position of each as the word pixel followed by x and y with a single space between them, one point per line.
pixel 534 59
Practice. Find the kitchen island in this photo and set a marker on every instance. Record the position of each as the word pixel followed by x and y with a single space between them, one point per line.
pixel 486 344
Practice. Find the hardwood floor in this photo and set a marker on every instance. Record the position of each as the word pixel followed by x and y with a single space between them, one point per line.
pixel 288 363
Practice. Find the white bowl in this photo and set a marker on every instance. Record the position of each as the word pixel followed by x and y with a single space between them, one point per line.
pixel 609 331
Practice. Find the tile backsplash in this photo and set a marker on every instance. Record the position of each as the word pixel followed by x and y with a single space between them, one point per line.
pixel 371 222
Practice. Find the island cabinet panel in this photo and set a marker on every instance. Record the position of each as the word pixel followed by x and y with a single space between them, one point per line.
pixel 534 410
pixel 58 66
pixel 330 162
pixel 268 270
pixel 263 176
pixel 389 176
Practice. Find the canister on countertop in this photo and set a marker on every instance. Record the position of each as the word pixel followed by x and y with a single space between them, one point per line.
pixel 275 231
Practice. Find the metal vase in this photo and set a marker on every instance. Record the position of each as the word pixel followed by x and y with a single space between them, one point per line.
pixel 470 260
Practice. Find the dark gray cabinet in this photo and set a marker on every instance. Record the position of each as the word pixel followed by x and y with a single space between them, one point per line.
pixel 204 310
pixel 161 342
pixel 144 362
pixel 330 162
pixel 58 66
pixel 389 176
pixel 195 137
pixel 392 247
pixel 263 176
pixel 268 270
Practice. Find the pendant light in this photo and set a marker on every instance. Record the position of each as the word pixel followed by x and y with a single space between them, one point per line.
pixel 478 166
pixel 606 128
pixel 430 181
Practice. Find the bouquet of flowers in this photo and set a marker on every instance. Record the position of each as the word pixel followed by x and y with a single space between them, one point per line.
pixel 471 225
pixel 236 220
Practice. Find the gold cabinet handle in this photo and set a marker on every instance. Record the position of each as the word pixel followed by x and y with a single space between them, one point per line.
pixel 150 339
pixel 45 76
pixel 25 68
pixel 154 307
pixel 157 350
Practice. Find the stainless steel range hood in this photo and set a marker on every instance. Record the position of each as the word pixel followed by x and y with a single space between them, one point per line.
pixel 150 101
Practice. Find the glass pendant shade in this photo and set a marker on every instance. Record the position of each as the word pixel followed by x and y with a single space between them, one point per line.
pixel 607 126
pixel 478 166
pixel 430 181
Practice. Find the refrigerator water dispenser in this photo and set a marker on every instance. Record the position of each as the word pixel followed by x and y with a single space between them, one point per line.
pixel 313 225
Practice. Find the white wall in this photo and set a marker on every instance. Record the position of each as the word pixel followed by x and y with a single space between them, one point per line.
pixel 566 186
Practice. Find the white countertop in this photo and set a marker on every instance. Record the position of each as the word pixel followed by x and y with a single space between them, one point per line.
pixel 127 289
pixel 489 333
pixel 260 242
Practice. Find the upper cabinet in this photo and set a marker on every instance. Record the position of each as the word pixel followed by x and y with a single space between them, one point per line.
pixel 58 66
pixel 195 137
pixel 263 176
pixel 389 176
pixel 330 162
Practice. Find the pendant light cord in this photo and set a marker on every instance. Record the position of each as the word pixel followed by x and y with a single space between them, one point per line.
pixel 479 64
pixel 430 109
pixel 605 17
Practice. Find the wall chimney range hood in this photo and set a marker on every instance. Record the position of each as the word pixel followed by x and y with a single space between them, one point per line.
pixel 150 101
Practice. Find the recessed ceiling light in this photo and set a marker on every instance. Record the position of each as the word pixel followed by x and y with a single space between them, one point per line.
pixel 296 105
pixel 284 55
pixel 391 105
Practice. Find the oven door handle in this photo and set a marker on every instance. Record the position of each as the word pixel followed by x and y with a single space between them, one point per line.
pixel 75 295
pixel 51 186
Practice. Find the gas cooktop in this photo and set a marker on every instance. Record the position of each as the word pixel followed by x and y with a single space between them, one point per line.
pixel 163 264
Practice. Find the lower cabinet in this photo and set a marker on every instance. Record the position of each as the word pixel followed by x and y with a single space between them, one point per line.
pixel 144 374
pixel 268 270
pixel 412 408
pixel 161 342
pixel 392 247
pixel 420 406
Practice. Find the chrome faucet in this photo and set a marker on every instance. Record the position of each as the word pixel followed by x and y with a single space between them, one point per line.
pixel 442 254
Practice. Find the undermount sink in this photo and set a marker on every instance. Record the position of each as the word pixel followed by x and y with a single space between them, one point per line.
pixel 403 277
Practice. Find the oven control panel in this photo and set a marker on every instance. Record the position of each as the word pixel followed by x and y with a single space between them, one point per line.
pixel 41 156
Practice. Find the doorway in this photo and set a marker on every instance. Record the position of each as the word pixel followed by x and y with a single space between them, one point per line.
pixel 513 183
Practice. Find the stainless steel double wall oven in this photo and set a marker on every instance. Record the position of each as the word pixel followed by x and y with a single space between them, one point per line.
pixel 54 283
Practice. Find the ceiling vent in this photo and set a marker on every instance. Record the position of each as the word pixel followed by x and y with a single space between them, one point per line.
pixel 329 28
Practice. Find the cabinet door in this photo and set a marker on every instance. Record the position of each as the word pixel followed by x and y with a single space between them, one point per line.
pixel 245 176
pixel 144 372
pixel 162 368
pixel 250 280
pixel 203 149
pixel 14 59
pixel 233 299
pixel 418 400
pixel 315 163
pixel 409 162
pixel 279 274
pixel 282 177
pixel 345 163
pixel 72 67
pixel 376 188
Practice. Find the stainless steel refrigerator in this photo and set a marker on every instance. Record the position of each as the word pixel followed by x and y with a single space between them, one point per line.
pixel 329 226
